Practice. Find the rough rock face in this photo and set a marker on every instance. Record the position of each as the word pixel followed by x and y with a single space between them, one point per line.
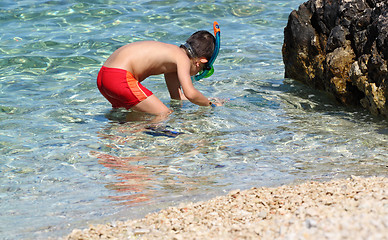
pixel 341 46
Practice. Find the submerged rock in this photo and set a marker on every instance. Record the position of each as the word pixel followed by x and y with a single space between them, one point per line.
pixel 341 46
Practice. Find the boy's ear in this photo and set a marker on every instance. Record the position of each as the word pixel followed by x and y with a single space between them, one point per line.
pixel 203 60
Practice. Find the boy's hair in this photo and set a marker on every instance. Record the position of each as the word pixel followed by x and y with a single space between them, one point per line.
pixel 202 44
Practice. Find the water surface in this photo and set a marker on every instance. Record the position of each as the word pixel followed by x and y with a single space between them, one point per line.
pixel 67 160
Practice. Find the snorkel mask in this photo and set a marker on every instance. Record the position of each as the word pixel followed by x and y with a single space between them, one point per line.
pixel 208 69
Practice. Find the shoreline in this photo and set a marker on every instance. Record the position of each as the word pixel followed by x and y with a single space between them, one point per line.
pixel 352 208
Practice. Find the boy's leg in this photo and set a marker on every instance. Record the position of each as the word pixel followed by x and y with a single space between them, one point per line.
pixel 152 105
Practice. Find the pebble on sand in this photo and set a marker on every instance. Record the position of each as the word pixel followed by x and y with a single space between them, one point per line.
pixel 353 208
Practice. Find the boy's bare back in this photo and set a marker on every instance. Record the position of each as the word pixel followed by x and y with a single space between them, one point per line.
pixel 147 58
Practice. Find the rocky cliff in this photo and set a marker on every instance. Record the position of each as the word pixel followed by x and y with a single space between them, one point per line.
pixel 341 46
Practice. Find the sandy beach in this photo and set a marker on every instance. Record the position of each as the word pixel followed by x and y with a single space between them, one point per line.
pixel 353 208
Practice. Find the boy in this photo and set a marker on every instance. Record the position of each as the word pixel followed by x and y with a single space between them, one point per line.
pixel 119 79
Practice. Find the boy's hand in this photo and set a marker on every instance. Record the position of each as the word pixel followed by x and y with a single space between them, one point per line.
pixel 217 101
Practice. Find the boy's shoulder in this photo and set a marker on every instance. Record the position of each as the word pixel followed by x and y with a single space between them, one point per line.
pixel 166 49
pixel 161 57
pixel 156 48
pixel 155 44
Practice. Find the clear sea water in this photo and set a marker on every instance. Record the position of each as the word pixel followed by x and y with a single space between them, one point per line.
pixel 67 160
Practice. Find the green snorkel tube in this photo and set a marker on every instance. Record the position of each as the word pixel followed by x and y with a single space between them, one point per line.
pixel 209 69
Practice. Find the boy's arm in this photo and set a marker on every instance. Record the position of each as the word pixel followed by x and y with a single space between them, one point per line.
pixel 190 92
pixel 184 78
pixel 174 87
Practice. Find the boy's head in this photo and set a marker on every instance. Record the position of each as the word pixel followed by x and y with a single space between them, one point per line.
pixel 202 44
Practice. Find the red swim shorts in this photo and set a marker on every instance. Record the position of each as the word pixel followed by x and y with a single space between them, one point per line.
pixel 121 88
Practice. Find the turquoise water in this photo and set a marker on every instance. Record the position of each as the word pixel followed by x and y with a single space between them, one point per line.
pixel 67 160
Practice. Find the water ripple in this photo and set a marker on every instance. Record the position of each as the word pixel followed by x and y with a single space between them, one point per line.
pixel 67 159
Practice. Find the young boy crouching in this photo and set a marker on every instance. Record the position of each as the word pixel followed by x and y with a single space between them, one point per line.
pixel 120 77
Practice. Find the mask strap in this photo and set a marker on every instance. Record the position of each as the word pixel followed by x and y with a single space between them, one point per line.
pixel 189 50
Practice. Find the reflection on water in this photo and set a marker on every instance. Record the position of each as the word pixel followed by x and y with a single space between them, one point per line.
pixel 132 180
pixel 147 157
